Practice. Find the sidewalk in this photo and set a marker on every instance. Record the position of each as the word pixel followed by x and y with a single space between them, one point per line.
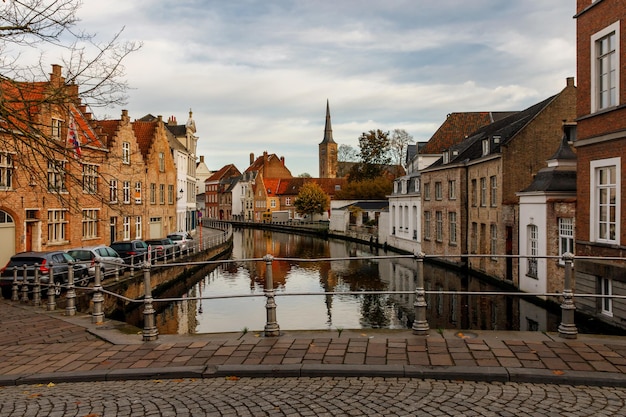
pixel 43 347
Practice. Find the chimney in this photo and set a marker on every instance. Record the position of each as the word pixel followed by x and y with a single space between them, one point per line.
pixel 282 159
pixel 201 159
pixel 570 81
pixel 55 77
pixel 251 158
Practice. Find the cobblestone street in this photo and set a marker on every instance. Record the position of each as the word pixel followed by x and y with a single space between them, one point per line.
pixel 308 397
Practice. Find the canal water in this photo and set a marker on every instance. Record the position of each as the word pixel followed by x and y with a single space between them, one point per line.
pixel 339 311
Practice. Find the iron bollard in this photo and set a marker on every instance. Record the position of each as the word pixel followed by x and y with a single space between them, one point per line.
pixel 132 266
pixel 567 328
pixel 420 324
pixel 70 295
pixel 271 326
pixel 51 305
pixel 24 286
pixel 97 316
pixel 37 287
pixel 150 331
pixel 15 290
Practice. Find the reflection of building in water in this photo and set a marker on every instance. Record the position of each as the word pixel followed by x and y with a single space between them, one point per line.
pixel 178 318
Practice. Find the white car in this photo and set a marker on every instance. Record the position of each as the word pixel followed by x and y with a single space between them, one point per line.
pixel 109 259
pixel 183 240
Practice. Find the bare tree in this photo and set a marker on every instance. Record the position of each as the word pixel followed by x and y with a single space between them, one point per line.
pixel 31 30
pixel 347 153
pixel 398 144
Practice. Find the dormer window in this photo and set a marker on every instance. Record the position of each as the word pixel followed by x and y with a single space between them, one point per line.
pixel 485 147
pixel 446 157
pixel 395 187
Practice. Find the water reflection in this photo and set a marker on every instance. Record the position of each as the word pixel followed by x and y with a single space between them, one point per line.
pixel 322 312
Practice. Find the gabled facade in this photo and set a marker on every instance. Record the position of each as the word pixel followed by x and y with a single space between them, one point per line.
pixel 215 188
pixel 601 149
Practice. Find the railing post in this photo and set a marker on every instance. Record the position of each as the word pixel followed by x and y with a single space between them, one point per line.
pixel 97 315
pixel 150 331
pixel 132 266
pixel 567 328
pixel 24 286
pixel 420 324
pixel 37 287
pixel 15 290
pixel 70 295
pixel 271 326
pixel 51 305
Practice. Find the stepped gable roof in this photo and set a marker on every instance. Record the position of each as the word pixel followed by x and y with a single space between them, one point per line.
pixel 457 127
pixel 144 132
pixel 85 133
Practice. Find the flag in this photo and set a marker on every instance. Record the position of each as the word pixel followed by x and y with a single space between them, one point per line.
pixel 72 137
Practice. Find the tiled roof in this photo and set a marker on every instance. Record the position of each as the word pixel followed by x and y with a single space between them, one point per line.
pixel 229 170
pixel 144 132
pixel 457 127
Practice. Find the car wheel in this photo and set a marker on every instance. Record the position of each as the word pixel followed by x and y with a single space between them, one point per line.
pixel 84 279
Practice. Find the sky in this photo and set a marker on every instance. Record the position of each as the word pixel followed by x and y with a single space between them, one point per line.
pixel 257 74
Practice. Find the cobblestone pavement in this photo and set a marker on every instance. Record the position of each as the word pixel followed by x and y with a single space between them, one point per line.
pixel 308 397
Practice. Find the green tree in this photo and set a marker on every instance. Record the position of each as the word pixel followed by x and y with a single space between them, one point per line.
pixel 374 155
pixel 312 200
pixel 368 189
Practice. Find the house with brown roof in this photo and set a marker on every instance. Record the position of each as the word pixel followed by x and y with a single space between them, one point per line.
pixel 218 192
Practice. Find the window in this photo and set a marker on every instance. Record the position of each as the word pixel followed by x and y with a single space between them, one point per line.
pixel 566 237
pixel 485 147
pixel 152 193
pixel 427 191
pixel 474 238
pixel 446 157
pixel 126 191
pixel 6 171
pixel 427 226
pixel 605 200
pixel 138 227
pixel 113 191
pixel 90 223
pixel 606 288
pixel 474 193
pixel 452 225
pixel 56 176
pixel 57 226
pixel 605 68
pixel 493 182
pixel 90 178
pixel 138 192
pixel 439 226
pixel 161 162
pixel 288 201
pixel 162 193
pixel 483 192
pixel 170 194
pixel 273 203
pixel 438 193
pixel 494 241
pixel 533 250
pixel 452 190
pixel 126 152
pixel 126 227
pixel 56 129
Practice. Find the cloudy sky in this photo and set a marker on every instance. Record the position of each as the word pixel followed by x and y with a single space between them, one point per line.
pixel 257 74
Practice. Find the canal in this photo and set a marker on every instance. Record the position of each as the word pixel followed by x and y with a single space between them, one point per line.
pixel 340 311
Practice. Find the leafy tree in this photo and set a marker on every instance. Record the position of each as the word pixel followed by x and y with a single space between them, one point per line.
pixel 346 153
pixel 93 78
pixel 304 175
pixel 400 139
pixel 368 189
pixel 374 155
pixel 311 199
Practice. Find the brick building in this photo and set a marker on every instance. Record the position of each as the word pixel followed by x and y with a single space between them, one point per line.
pixel 601 146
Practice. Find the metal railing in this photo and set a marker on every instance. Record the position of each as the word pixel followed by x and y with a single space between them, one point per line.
pixel 566 329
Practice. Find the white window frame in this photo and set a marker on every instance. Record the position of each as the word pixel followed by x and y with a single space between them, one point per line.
pixel 427 224
pixel 485 144
pixel 439 226
pixel 57 226
pixel 483 192
pixel 493 184
pixel 138 192
pixel 596 105
pixel 596 206
pixel 566 237
pixel 533 251
pixel 90 223
pixel 452 226
pixel 161 193
pixel 126 152
pixel 493 232
pixel 138 227
pixel 438 190
pixel 56 128
pixel 56 176
pixel 6 171
pixel 606 304
pixel 452 189
pixel 90 178
pixel 126 192
pixel 126 227
pixel 113 191
pixel 170 194
pixel 161 162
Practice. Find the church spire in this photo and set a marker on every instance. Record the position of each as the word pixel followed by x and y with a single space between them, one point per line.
pixel 328 130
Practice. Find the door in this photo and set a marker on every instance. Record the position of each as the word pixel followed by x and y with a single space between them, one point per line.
pixel 7 237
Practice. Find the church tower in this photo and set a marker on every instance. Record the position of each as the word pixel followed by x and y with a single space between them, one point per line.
pixel 328 150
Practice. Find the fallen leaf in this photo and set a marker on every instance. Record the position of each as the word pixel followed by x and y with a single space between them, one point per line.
pixel 50 385
pixel 558 372
pixel 158 381
pixel 232 378
pixel 35 395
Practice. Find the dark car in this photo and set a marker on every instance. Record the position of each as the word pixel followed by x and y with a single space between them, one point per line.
pixel 43 261
pixel 163 248
pixel 133 252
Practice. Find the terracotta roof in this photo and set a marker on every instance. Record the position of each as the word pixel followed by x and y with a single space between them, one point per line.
pixel 86 134
pixel 224 173
pixel 291 186
pixel 144 132
pixel 457 127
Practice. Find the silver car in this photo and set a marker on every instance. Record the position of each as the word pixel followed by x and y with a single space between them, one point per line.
pixel 109 259
pixel 183 240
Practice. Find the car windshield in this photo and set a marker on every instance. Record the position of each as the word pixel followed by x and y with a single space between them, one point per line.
pixel 25 261
pixel 81 255
pixel 176 237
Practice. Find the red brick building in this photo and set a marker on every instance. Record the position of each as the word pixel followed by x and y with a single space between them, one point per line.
pixel 601 151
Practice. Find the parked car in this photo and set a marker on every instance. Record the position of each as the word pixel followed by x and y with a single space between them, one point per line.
pixel 43 261
pixel 133 252
pixel 163 247
pixel 109 259
pixel 183 240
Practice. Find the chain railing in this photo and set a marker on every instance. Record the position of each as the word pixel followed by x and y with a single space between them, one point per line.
pixel 566 329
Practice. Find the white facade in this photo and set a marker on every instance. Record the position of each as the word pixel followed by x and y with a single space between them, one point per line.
pixel 533 242
pixel 405 215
